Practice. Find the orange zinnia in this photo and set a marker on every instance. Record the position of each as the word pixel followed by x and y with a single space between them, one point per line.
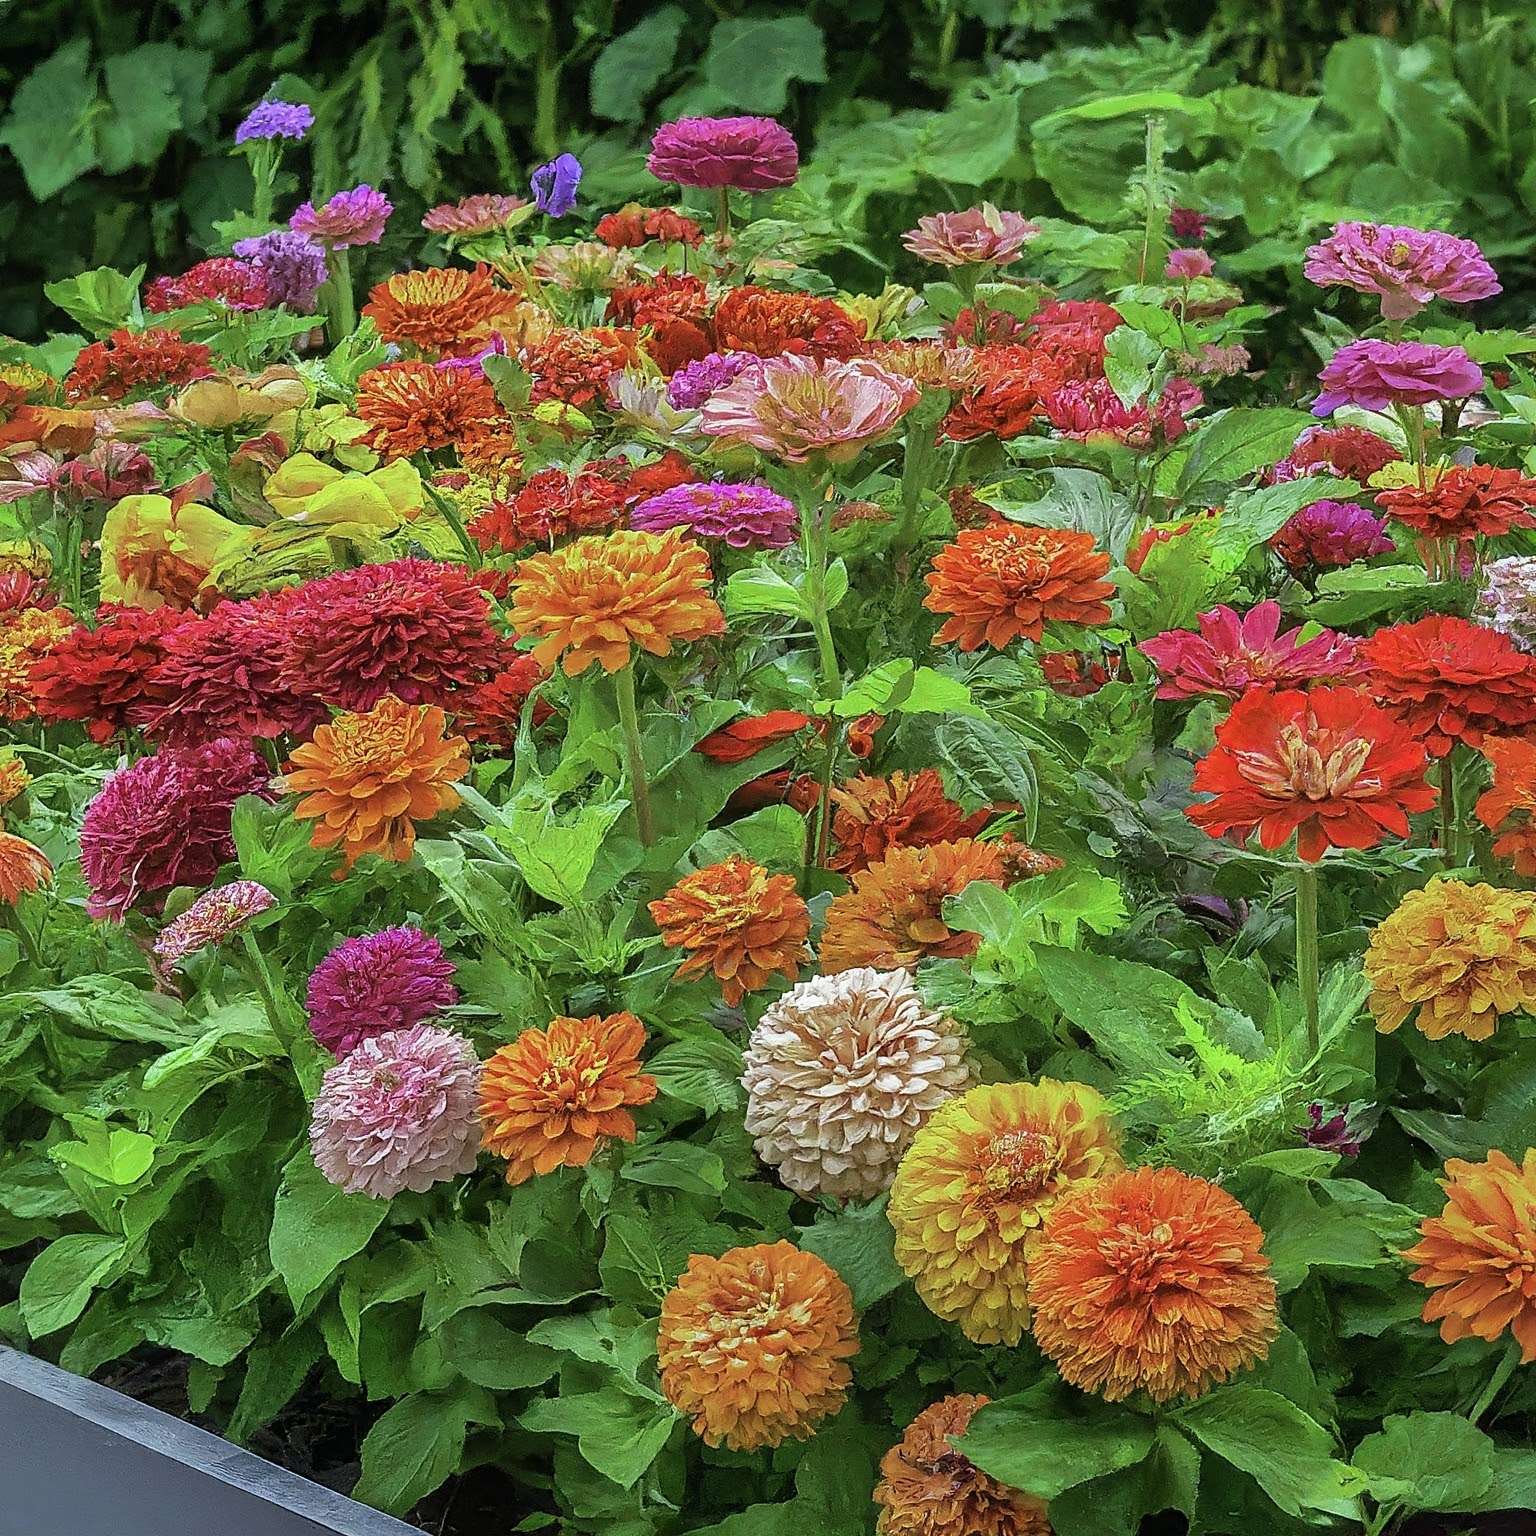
pixel 1479 1254
pixel 893 916
pixel 441 308
pixel 870 816
pixel 23 868
pixel 369 778
pixel 1509 807
pixel 594 598
pixel 549 1098
pixel 738 921
pixel 1151 1280
pixel 1005 582
pixel 768 323
pixel 413 408
pixel 753 1345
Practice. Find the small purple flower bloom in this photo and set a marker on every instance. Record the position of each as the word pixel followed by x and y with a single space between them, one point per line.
pixel 695 382
pixel 742 516
pixel 1378 374
pixel 1334 1134
pixel 554 186
pixel 380 981
pixel 275 120
pixel 291 266
pixel 476 363
pixel 350 218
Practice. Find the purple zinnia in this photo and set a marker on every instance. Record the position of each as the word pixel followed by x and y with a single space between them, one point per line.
pixel 275 120
pixel 695 382
pixel 1330 533
pixel 1332 1135
pixel 290 265
pixel 752 154
pixel 212 918
pixel 379 981
pixel 554 186
pixel 1378 374
pixel 350 218
pixel 401 1112
pixel 743 516
pixel 1404 267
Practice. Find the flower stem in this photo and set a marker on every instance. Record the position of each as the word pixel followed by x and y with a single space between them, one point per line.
pixel 1498 1381
pixel 291 1035
pixel 1306 953
pixel 723 212
pixel 336 295
pixel 1447 810
pixel 629 721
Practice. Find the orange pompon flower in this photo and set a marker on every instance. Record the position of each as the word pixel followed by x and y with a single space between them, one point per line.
pixel 1479 1254
pixel 441 308
pixel 415 408
pixel 1005 582
pixel 549 1098
pixel 893 916
pixel 23 868
pixel 1005 394
pixel 870 816
pixel 575 366
pixel 977 1179
pixel 25 638
pixel 1329 765
pixel 1151 1281
pixel 753 1345
pixel 768 323
pixel 736 920
pixel 1468 501
pixel 1509 806
pixel 928 1488
pixel 369 778
pixel 594 598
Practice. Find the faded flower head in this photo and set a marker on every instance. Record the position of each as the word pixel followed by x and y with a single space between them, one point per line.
pixel 752 154
pixel 1188 262
pixel 979 236
pixel 1508 598
pixel 350 218
pixel 211 919
pixel 482 213
pixel 23 868
pixel 377 982
pixel 1406 268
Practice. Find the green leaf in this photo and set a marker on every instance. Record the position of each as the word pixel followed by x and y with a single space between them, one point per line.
pixel 555 852
pixel 752 59
pixel 860 1244
pixel 633 63
pixel 617 1434
pixel 113 1156
pixel 316 1228
pixel 982 761
pixel 972 142
pixel 1234 444
pixel 1128 1010
pixel 49 127
pixel 492 1355
pixel 145 89
pixel 1129 357
pixel 1434 1461
pixel 1251 518
pixel 760 589
pixel 677 1165
pixel 416 1446
pixel 704 1073
pixel 59 1281
pixel 101 301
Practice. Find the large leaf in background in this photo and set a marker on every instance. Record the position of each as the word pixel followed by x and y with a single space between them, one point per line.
pixel 48 128
pixel 859 1243
pixel 1427 1461
pixel 1232 444
pixel 632 65
pixel 751 59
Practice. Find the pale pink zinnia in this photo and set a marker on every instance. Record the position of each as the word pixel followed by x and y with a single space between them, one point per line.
pixel 1234 652
pixel 212 918
pixel 1405 267
pixel 402 1111
pixel 841 1073
pixel 794 406
pixel 986 235
pixel 479 214
pixel 1189 261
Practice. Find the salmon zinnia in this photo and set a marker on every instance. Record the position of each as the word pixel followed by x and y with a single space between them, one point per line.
pixel 1509 807
pixel 871 816
pixel 23 868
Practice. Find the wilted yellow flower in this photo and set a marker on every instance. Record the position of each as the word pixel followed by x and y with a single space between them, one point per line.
pixel 1401 475
pixel 223 400
pixel 305 490
pixel 14 777
pixel 153 555
pixel 25 555
pixel 880 311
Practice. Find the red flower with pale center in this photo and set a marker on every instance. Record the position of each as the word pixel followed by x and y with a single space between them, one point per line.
pixel 1330 766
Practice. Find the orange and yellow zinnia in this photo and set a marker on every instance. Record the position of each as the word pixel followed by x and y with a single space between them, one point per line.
pixel 23 868
pixel 439 308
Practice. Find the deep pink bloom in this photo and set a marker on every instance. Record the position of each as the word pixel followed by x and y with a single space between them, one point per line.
pixel 164 821
pixel 1187 224
pixel 753 154
pixel 110 471
pixel 743 516
pixel 1189 261
pixel 1331 533
pixel 695 382
pixel 1334 1134
pixel 984 235
pixel 222 280
pixel 378 981
pixel 1083 410
pixel 401 1112
pixel 212 918
pixel 350 218
pixel 1234 652
pixel 1378 374
pixel 1352 453
pixel 1405 267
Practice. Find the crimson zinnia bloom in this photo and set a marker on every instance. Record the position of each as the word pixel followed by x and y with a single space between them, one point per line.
pixel 1450 680
pixel 1006 395
pixel 376 982
pixel 135 360
pixel 1330 766
pixel 752 154
pixel 741 739
pixel 1233 652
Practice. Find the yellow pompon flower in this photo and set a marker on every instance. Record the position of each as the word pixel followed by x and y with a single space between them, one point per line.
pixel 27 556
pixel 1461 954
pixel 14 777
pixel 978 1179
pixel 154 554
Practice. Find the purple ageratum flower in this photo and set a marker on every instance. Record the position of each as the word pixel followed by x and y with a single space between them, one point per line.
pixel 1404 267
pixel 554 186
pixel 350 218
pixel 695 382
pixel 1334 1134
pixel 742 516
pixel 1190 261
pixel 377 982
pixel 401 1112
pixel 291 266
pixel 212 918
pixel 1327 534
pixel 1377 374
pixel 1508 598
pixel 752 154
pixel 275 120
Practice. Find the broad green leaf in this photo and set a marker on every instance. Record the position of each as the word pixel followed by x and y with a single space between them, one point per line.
pixel 677 1165
pixel 973 141
pixel 114 1156
pixel 1129 357
pixel 618 1434
pixel 145 96
pixel 705 1073
pixel 751 59
pixel 555 851
pixel 49 128
pixel 316 1228
pixel 859 1243
pixel 633 64
pixel 1233 444
pixel 415 1447
pixel 101 301
pixel 1250 518
pixel 59 1281
pixel 492 1355
pixel 1435 1461
pixel 760 589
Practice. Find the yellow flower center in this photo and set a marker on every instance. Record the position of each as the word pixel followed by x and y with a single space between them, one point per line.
pixel 1305 770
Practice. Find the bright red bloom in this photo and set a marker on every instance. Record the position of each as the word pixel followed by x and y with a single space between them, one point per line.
pixel 1086 411
pixel 1450 680
pixel 130 361
pixel 575 366
pixel 673 310
pixel 769 323
pixel 1349 452
pixel 634 226
pixel 1330 766
pixel 554 504
pixel 741 739
pixel 222 280
pixel 1073 333
pixel 491 711
pixel 1006 396
pixel 1073 674
pixel 1468 501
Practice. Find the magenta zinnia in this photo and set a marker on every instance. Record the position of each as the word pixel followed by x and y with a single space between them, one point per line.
pixel 1406 268
pixel 742 516
pixel 1233 652
pixel 1376 375
pixel 376 982
pixel 752 154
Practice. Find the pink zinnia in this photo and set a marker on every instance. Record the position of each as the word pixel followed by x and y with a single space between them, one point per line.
pixel 350 218
pixel 1234 652
pixel 1405 267
pixel 793 406
pixel 212 918
pixel 752 154
pixel 1086 409
pixel 479 214
pixel 985 235
pixel 1188 262
pixel 164 821
pixel 378 981
pixel 1376 375
pixel 743 516
pixel 1328 534
pixel 401 1112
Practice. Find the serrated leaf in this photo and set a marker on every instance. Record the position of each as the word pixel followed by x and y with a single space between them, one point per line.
pixel 416 1446
pixel 860 1244
pixel 704 1073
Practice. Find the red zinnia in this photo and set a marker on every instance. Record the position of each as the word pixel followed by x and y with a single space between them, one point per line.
pixel 135 360
pixel 553 505
pixel 633 226
pixel 1349 452
pixel 491 711
pixel 1006 396
pixel 222 280
pixel 741 739
pixel 768 323
pixel 575 366
pixel 673 310
pixel 1468 501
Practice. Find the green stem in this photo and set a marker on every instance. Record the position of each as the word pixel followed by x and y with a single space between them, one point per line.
pixel 723 212
pixel 629 721
pixel 472 555
pixel 949 38
pixel 290 1033
pixel 1306 953
pixel 29 948
pixel 264 178
pixel 1447 811
pixel 336 296
pixel 546 92
pixel 1499 1380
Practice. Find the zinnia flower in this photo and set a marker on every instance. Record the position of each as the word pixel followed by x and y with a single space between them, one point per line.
pixel 1187 223
pixel 1508 599
pixel 753 154
pixel 291 267
pixel 740 516
pixel 155 552
pixel 793 407
pixel 221 280
pixel 133 362
pixel 1151 1280
pixel 1188 262
pixel 594 599
pixel 767 323
pixel 399 1113
pixel 928 1488
pixel 350 218
pixel 1477 1254
pixel 738 921
pixel 1327 534
pixel 1509 806
pixel 480 214
pixel 211 919
pixel 369 778
pixel 1329 765
pixel 1378 374
pixel 27 639
pixel 1234 652
pixel 977 1179
pixel 1352 453
pixel 23 868
pixel 574 366
pixel 841 1073
pixel 412 408
pixel 980 236
pixel 164 821
pixel 1405 267
pixel 552 1095
pixel 741 739
pixel 1005 582
pixel 1463 954
pixel 376 982
pixel 754 1345
pixel 1468 501
pixel 1090 409
pixel 633 226
pixel 1002 391
pixel 871 816
pixel 14 778
pixel 438 308
pixel 554 186
pixel 695 382
pixel 275 120
pixel 1450 680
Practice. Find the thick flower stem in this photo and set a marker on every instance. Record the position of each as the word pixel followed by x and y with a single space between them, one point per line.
pixel 723 212
pixel 1448 810
pixel 1306 953
pixel 634 753
pixel 291 1035
pixel 336 296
